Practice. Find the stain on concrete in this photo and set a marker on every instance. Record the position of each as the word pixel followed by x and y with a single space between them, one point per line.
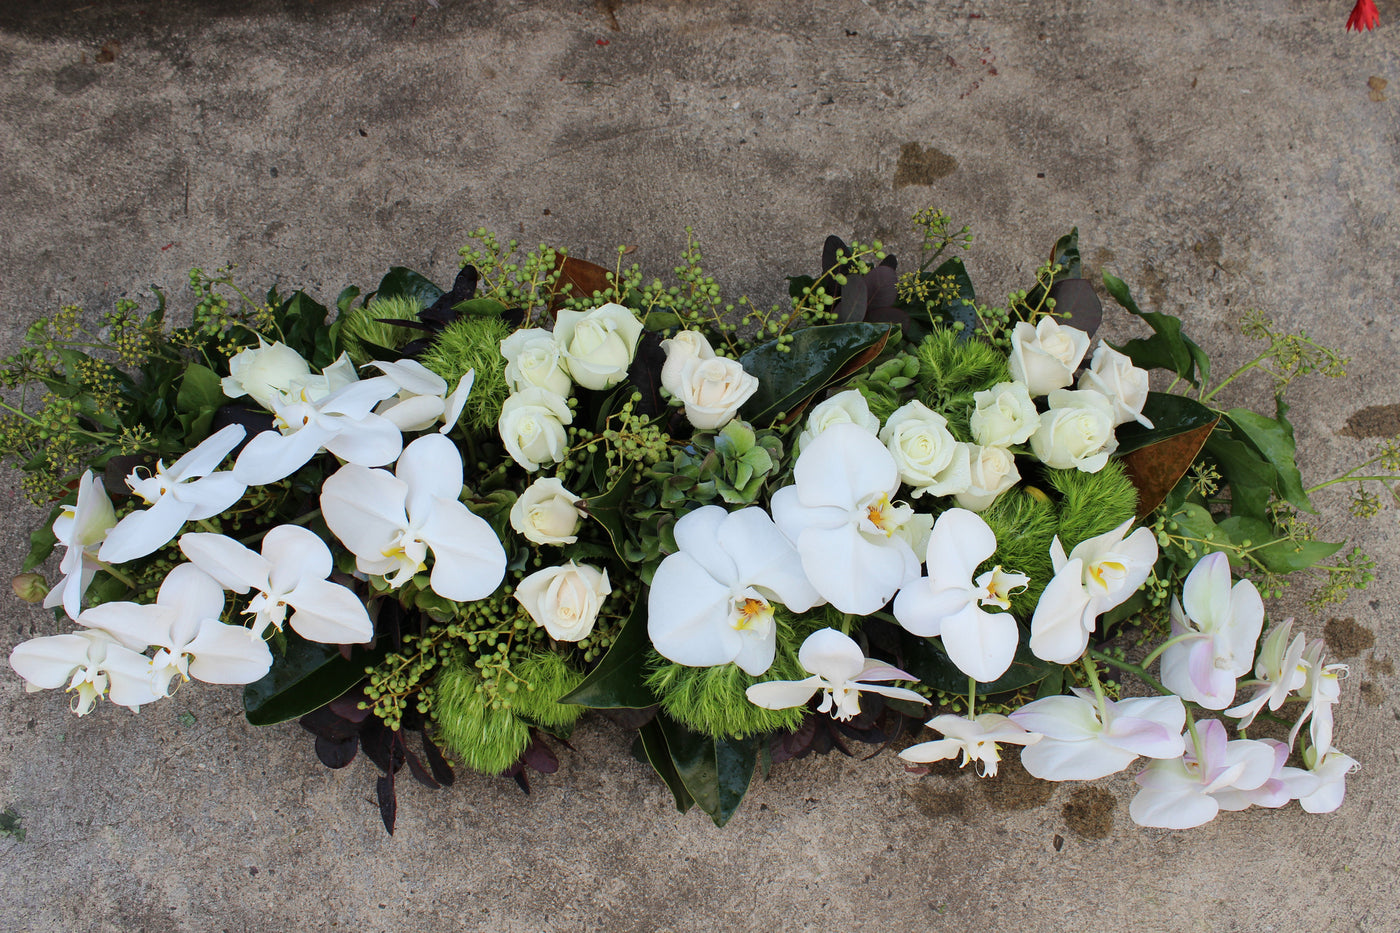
pixel 1347 638
pixel 71 79
pixel 1380 666
pixel 920 166
pixel 1372 694
pixel 936 804
pixel 1376 85
pixel 1089 812
pixel 1374 421
pixel 1014 789
pixel 1103 256
pixel 1209 248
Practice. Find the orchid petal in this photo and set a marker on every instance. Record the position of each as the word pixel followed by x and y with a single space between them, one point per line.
pixel 209 453
pixel 412 376
pixel 329 613
pixel 928 752
pixel 1206 592
pixel 831 655
pixel 191 594
pixel 364 508
pixel 369 441
pixel 454 403
pixel 960 541
pixel 356 400
pixel 765 558
pixel 415 413
pixel 128 678
pixel 921 611
pixel 271 456
pixel 296 554
pixel 48 662
pixel 842 465
pixel 1181 809
pixel 756 653
pixel 234 566
pixel 224 654
pixel 1056 760
pixel 688 614
pixel 783 694
pixel 1144 737
pixel 1060 717
pixel 981 644
pixel 894 693
pixel 1058 634
pixel 210 495
pixel 142 532
pixel 469 561
pixel 432 468
pixel 697 534
pixel 856 574
pixel 133 625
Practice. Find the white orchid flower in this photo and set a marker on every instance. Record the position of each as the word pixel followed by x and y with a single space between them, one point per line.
pixel 184 624
pixel 81 529
pixel 342 422
pixel 264 371
pixel 290 573
pixel 390 521
pixel 1323 689
pixel 712 601
pixel 1213 774
pixel 1278 672
pixel 187 490
pixel 839 514
pixel 1322 788
pixel 974 739
pixel 1096 576
pixel 1086 739
pixel 91 663
pixel 1215 628
pixel 840 670
pixel 422 399
pixel 948 602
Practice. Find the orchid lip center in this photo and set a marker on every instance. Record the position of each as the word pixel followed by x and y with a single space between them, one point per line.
pixel 997 587
pixel 751 613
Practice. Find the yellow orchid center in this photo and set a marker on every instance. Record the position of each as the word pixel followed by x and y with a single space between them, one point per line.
pixel 883 515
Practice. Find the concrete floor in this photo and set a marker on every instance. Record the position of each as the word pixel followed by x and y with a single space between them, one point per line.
pixel 1215 156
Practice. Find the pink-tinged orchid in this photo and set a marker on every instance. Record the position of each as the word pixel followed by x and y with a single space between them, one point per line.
pixel 183 623
pixel 1085 738
pixel 1096 576
pixel 1213 774
pixel 974 739
pixel 342 422
pixel 91 663
pixel 840 515
pixel 289 574
pixel 391 521
pixel 1322 788
pixel 1278 672
pixel 840 670
pixel 949 602
pixel 712 601
pixel 1323 689
pixel 81 529
pixel 422 399
pixel 187 490
pixel 1215 628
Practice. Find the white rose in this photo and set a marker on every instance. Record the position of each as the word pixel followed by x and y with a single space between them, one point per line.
pixel 1005 415
pixel 532 426
pixel 681 349
pixel 1045 356
pixel 1076 432
pixel 564 600
pixel 849 407
pixel 264 372
pixel 597 345
pixel 1114 375
pixel 713 390
pixel 928 457
pixel 533 359
pixel 993 472
pixel 545 513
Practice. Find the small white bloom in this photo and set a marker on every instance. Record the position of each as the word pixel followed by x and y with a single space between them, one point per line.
pixel 928 457
pixel 1224 623
pixel 1004 415
pixel 547 513
pixel 391 521
pixel 187 490
pixel 1322 788
pixel 681 349
pixel 533 360
pixel 974 739
pixel 1076 432
pixel 1278 672
pixel 80 528
pixel 422 399
pixel 1323 689
pixel 949 602
pixel 848 407
pixel 565 600
pixel 597 345
pixel 91 663
pixel 264 372
pixel 1096 576
pixel 713 390
pixel 840 670
pixel 532 427
pixel 1084 740
pixel 1114 375
pixel 992 472
pixel 712 601
pixel 1044 357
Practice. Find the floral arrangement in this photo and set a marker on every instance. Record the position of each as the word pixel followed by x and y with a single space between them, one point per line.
pixel 436 525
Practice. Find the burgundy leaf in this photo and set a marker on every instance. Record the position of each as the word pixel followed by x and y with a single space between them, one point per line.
pixel 540 756
pixel 388 803
pixel 419 772
pixel 441 769
pixel 337 754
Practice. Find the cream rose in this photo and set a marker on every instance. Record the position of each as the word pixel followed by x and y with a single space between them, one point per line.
pixel 681 349
pixel 264 372
pixel 849 407
pixel 546 513
pixel 1045 356
pixel 597 345
pixel 924 450
pixel 993 472
pixel 1114 375
pixel 533 360
pixel 713 390
pixel 1076 432
pixel 532 427
pixel 564 600
pixel 1005 415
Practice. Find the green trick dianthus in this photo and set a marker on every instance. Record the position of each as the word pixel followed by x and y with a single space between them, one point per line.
pixel 363 329
pixel 952 370
pixel 473 343
pixel 1091 504
pixel 546 677
pixel 486 737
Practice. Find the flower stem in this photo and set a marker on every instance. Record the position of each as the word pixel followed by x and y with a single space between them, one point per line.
pixel 1156 652
pixel 130 584
pixel 1093 674
pixel 971 697
pixel 1135 669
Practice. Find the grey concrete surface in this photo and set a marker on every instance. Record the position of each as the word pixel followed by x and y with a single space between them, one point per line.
pixel 1215 156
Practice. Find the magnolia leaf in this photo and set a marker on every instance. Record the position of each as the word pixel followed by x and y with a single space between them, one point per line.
pixel 651 749
pixel 41 543
pixel 1251 478
pixel 308 676
pixel 816 357
pixel 1065 254
pixel 618 682
pixel 716 772
pixel 606 509
pixel 585 278
pixel 1167 348
pixel 1171 416
pixel 1181 429
pixel 1077 303
pixel 400 282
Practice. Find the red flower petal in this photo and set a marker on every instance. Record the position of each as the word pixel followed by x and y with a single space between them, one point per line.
pixel 1363 16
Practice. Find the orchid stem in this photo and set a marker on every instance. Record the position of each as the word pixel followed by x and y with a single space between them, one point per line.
pixel 972 698
pixel 1093 674
pixel 1157 652
pixel 1135 669
pixel 130 584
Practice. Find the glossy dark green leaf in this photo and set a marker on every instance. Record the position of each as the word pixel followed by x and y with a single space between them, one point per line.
pixel 1066 255
pixel 815 357
pixel 651 748
pixel 926 659
pixel 1251 478
pixel 199 389
pixel 618 680
pixel 716 772
pixel 399 282
pixel 1291 556
pixel 1273 438
pixel 306 677
pixel 1168 348
pixel 1170 415
pixel 303 322
pixel 346 299
pixel 607 510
